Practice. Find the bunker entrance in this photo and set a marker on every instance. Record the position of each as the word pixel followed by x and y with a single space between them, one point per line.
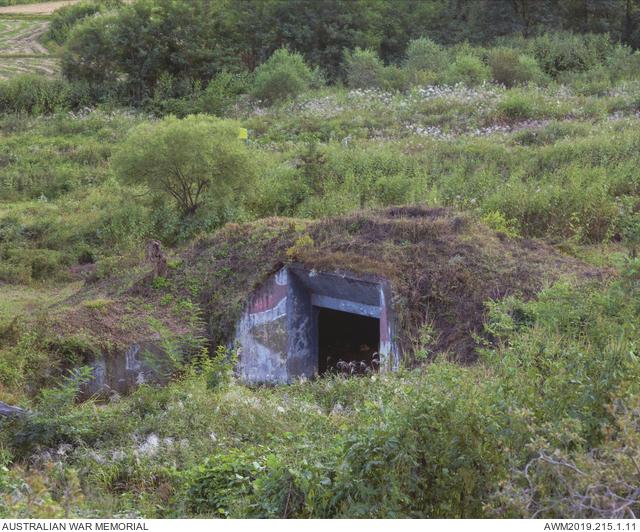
pixel 347 343
pixel 301 323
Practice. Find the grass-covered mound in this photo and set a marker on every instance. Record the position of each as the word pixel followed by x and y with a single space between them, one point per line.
pixel 443 267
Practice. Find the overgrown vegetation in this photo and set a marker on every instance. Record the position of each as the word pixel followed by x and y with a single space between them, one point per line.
pixel 496 132
pixel 444 441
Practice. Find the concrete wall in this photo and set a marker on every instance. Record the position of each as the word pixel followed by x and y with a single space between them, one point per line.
pixel 263 333
pixel 278 332
pixel 124 371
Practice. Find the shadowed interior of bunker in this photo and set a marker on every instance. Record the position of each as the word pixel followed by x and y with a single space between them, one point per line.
pixel 347 343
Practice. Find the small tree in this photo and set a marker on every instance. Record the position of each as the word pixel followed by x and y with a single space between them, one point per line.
pixel 194 160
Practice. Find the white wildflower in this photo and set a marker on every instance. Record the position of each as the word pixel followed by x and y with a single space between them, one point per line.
pixel 150 445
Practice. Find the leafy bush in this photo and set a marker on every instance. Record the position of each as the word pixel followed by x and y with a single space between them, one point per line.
pixel 425 55
pixel 55 420
pixel 623 63
pixel 561 52
pixel 22 365
pixel 468 69
pixel 222 92
pixel 33 264
pixel 592 82
pixel 88 55
pixel 363 69
pixel 438 467
pixel 98 48
pixel 497 222
pixel 284 75
pixel 394 78
pixel 597 484
pixel 222 483
pixel 576 345
pixel 63 19
pixel 171 96
pixel 39 95
pixel 510 68
pixel 280 189
pixel 517 105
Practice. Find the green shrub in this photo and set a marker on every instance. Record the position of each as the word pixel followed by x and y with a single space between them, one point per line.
pixel 63 19
pixel 565 354
pixel 88 55
pixel 433 456
pixel 222 483
pixel 594 82
pixel 394 78
pixel 279 191
pixel 284 75
pixel 623 63
pixel 517 105
pixel 177 97
pixel 37 94
pixel 469 70
pixel 222 92
pixel 629 224
pixel 55 420
pixel 22 365
pixel 561 52
pixel 33 264
pixel 425 55
pixel 510 68
pixel 578 208
pixel 363 69
pixel 585 485
pixel 496 221
pixel 193 47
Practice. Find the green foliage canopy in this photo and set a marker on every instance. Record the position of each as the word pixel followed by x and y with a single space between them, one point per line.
pixel 195 160
pixel 283 75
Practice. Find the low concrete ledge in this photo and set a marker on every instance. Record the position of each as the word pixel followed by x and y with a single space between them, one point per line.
pixel 10 411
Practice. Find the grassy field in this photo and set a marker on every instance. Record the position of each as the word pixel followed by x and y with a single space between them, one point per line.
pixel 18 300
pixel 22 50
pixel 21 36
pixel 16 65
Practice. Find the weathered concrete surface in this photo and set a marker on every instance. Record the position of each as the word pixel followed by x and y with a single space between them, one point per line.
pixel 144 362
pixel 10 411
pixel 278 332
pixel 263 334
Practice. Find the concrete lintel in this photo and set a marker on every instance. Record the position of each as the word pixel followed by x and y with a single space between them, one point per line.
pixel 344 305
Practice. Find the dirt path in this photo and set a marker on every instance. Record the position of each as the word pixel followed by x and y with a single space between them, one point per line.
pixel 29 40
pixel 44 8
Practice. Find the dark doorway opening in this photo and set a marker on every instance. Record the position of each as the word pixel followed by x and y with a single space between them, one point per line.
pixel 347 343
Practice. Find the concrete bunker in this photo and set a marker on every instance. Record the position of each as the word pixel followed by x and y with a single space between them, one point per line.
pixel 301 323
